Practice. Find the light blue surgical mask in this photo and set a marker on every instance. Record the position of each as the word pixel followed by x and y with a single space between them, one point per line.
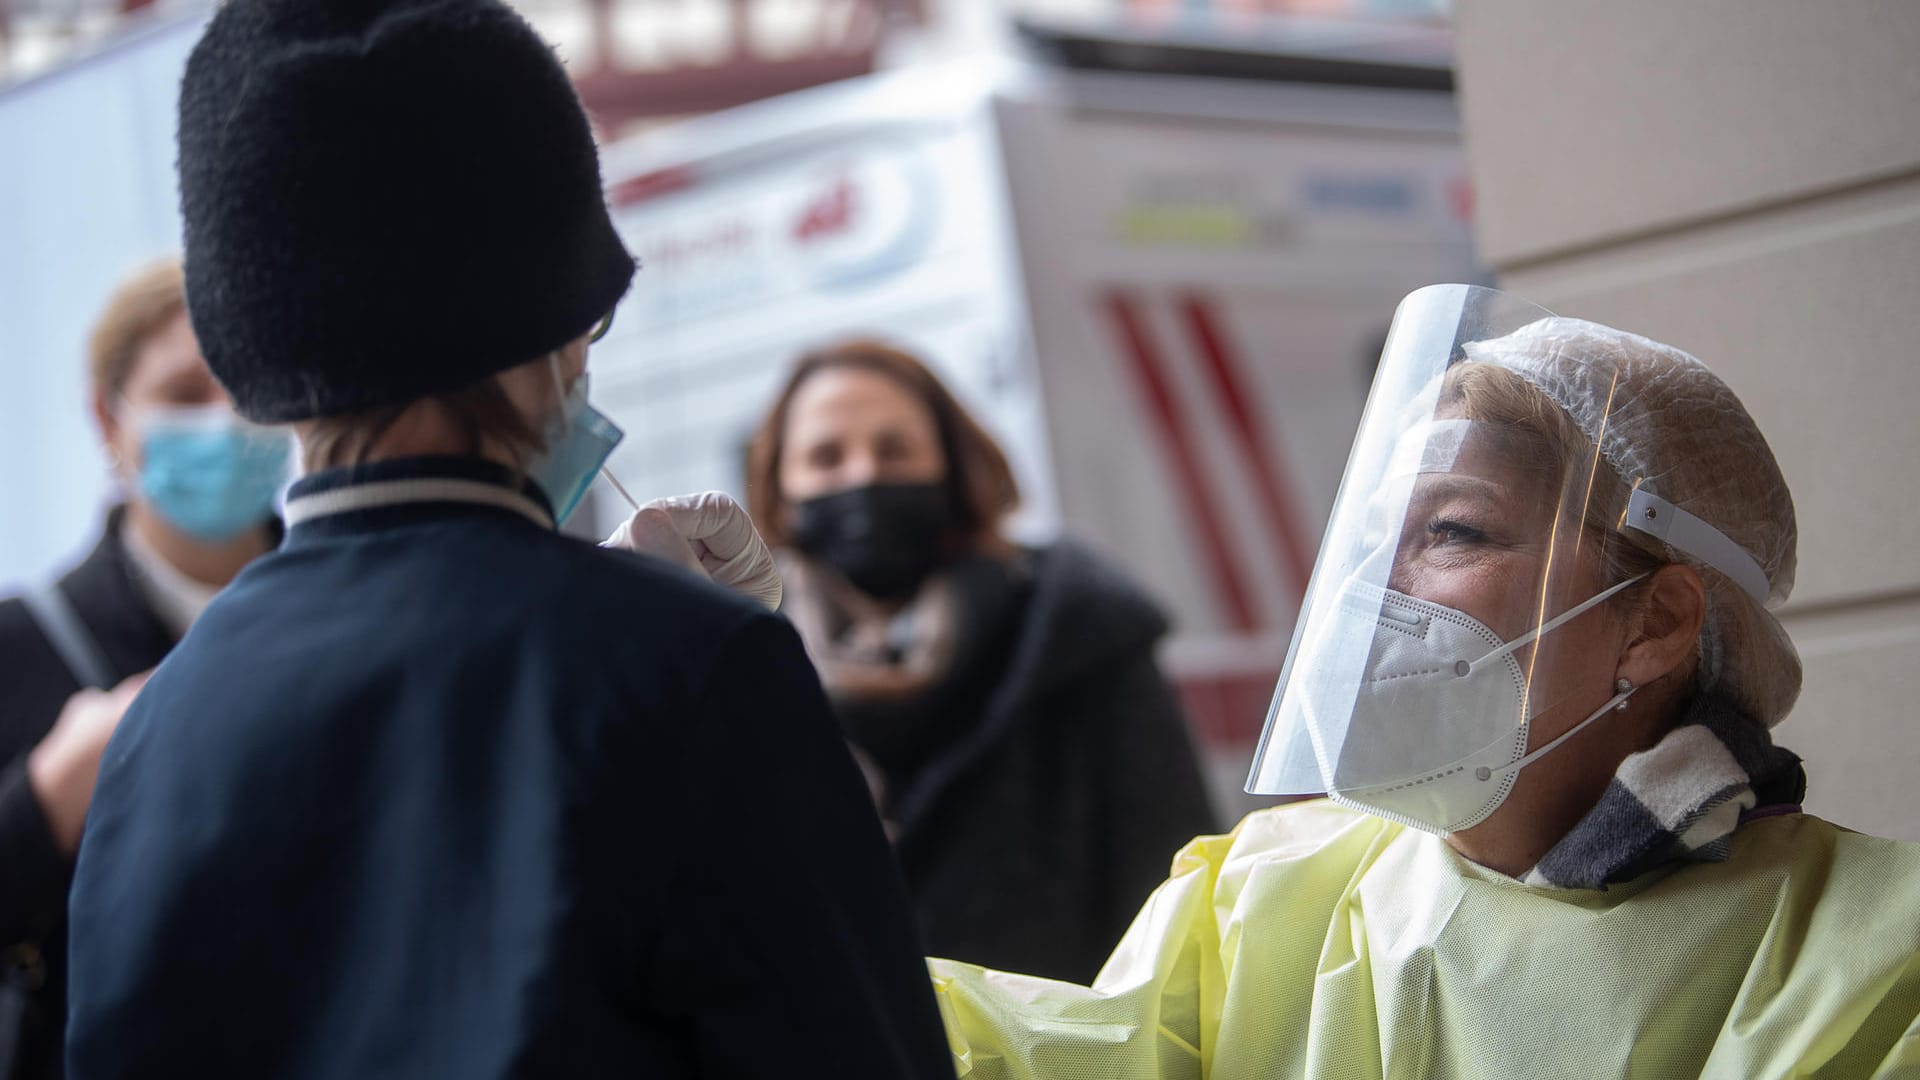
pixel 580 438
pixel 209 473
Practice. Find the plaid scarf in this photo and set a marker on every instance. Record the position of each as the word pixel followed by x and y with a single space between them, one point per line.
pixel 1679 801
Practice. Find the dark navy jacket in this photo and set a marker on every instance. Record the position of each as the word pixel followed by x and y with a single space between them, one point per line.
pixel 434 791
pixel 1030 842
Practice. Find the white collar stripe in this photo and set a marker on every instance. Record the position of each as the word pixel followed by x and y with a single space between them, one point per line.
pixel 431 489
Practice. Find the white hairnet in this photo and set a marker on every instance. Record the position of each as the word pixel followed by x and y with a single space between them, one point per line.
pixel 1671 427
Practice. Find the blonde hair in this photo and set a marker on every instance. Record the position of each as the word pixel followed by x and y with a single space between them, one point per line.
pixel 1664 420
pixel 144 304
pixel 1490 394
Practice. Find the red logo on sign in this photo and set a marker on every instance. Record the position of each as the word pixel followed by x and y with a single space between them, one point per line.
pixel 829 213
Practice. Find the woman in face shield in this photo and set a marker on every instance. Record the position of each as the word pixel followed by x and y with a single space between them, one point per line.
pixel 434 790
pixel 1031 761
pixel 1535 675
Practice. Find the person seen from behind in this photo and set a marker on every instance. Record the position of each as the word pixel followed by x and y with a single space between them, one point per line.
pixel 435 790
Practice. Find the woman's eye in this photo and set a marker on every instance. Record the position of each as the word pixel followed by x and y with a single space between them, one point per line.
pixel 894 450
pixel 824 456
pixel 1454 532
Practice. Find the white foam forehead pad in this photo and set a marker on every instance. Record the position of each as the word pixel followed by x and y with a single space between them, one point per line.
pixel 1429 447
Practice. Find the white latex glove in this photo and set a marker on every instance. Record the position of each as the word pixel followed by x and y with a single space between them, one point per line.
pixel 708 533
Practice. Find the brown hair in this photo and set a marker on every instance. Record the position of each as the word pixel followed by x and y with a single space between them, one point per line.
pixel 482 411
pixel 143 305
pixel 980 485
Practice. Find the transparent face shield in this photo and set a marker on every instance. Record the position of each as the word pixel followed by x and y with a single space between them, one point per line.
pixel 1454 626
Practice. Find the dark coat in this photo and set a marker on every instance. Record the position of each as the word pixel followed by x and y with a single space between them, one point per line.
pixel 1030 844
pixel 434 791
pixel 34 684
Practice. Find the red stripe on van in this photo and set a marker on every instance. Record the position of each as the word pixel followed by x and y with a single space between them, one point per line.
pixel 1150 372
pixel 1270 482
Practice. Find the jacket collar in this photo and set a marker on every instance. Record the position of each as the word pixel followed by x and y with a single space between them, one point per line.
pixel 175 597
pixel 407 489
pixel 105 596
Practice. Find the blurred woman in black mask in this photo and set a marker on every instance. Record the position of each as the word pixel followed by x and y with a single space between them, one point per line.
pixel 1032 764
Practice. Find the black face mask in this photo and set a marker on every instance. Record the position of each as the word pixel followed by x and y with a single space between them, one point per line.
pixel 884 538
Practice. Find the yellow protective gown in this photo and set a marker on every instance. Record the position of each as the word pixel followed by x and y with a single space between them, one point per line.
pixel 1319 942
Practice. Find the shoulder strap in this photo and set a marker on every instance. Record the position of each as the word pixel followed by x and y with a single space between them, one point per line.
pixel 69 636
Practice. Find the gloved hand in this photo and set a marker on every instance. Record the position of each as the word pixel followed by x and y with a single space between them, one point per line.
pixel 708 533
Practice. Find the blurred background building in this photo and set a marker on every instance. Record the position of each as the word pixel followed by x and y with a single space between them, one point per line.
pixel 1156 243
pixel 637 61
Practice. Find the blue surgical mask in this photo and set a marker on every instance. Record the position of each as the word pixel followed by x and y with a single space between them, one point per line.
pixel 209 473
pixel 580 438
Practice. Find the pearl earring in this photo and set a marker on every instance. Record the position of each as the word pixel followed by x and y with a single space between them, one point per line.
pixel 1622 686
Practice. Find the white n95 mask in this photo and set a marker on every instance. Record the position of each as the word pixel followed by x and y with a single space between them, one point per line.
pixel 1435 729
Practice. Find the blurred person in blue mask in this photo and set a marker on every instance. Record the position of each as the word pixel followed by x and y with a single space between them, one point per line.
pixel 1537 674
pixel 199 487
pixel 435 790
pixel 1031 760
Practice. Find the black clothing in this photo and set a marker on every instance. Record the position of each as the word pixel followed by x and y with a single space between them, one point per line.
pixel 1030 841
pixel 901 735
pixel 434 791
pixel 34 684
pixel 384 199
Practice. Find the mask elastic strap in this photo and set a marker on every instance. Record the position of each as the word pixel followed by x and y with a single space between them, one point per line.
pixel 1554 623
pixel 1613 704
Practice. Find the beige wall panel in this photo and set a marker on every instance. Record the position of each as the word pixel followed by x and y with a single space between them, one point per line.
pixel 1813 317
pixel 1588 121
pixel 1858 721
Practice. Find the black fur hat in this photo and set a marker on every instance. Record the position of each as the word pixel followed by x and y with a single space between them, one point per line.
pixel 385 199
